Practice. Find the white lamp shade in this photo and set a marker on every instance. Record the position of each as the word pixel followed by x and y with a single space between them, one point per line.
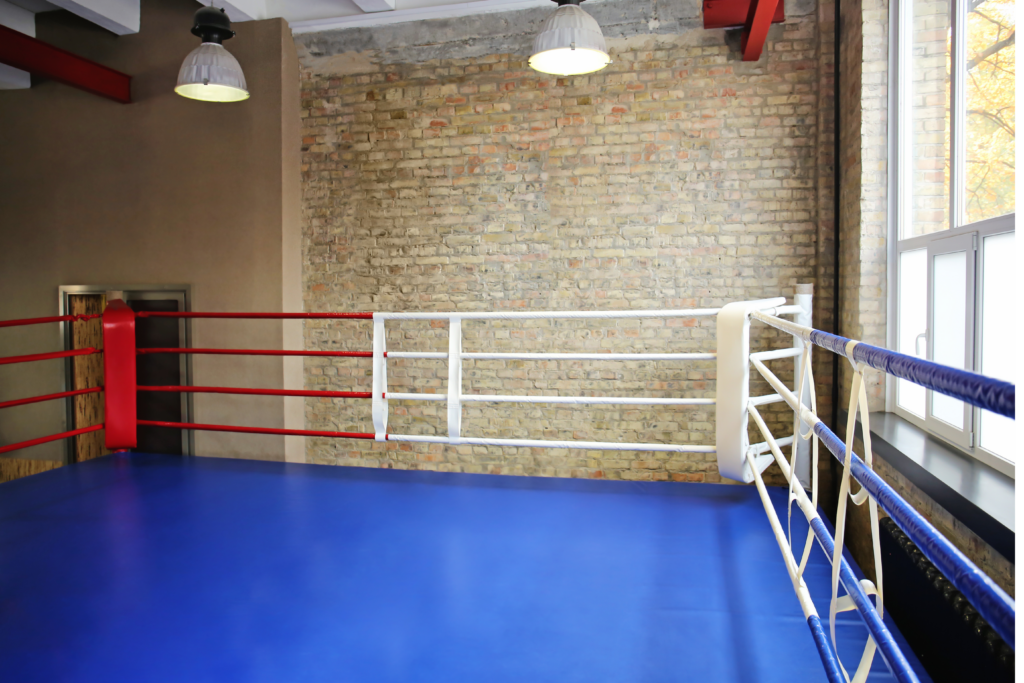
pixel 570 43
pixel 212 74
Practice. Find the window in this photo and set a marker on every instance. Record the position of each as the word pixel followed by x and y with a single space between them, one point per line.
pixel 953 76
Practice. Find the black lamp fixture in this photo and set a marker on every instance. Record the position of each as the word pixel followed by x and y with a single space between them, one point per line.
pixel 211 73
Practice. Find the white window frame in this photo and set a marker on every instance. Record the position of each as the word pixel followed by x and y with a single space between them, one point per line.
pixel 900 142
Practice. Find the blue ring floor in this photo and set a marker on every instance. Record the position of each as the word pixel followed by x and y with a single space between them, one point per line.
pixel 150 568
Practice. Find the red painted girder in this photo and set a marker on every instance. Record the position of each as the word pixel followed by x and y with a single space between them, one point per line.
pixel 38 58
pixel 734 13
pixel 755 31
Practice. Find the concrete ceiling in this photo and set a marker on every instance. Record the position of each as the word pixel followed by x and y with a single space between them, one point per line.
pixel 304 16
pixel 123 17
pixel 307 16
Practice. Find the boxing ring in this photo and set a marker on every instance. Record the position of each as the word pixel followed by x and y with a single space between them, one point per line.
pixel 146 567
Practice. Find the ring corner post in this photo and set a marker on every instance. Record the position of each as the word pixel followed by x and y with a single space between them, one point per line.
pixel 733 391
pixel 119 376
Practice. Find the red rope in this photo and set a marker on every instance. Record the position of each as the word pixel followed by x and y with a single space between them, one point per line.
pixel 51 319
pixel 263 352
pixel 49 397
pixel 254 430
pixel 257 392
pixel 48 356
pixel 257 316
pixel 52 437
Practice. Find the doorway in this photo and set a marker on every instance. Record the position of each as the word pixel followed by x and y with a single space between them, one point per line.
pixel 151 369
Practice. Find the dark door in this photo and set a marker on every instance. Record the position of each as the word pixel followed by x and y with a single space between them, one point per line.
pixel 158 369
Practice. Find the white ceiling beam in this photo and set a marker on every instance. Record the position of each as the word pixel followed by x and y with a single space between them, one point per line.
pixel 23 21
pixel 375 5
pixel 464 9
pixel 117 16
pixel 241 10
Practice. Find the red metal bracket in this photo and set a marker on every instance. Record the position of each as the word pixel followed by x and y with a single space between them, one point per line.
pixel 119 375
pixel 29 54
pixel 755 31
pixel 734 13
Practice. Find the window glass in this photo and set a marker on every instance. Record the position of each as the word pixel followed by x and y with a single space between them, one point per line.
pixel 949 322
pixel 989 126
pixel 997 332
pixel 913 309
pixel 929 124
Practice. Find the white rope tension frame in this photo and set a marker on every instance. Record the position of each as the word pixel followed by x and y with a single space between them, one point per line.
pixel 455 398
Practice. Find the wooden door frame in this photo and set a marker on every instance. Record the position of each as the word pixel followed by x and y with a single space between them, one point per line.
pixel 67 380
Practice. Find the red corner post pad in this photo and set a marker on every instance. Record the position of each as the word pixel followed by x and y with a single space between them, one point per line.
pixel 119 375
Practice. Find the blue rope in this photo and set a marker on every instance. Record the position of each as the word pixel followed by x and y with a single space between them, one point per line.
pixel 991 394
pixel 828 657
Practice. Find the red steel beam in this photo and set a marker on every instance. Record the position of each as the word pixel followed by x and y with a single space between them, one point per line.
pixel 755 30
pixel 41 59
pixel 734 13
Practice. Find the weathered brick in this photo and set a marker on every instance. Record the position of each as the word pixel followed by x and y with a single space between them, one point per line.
pixel 677 177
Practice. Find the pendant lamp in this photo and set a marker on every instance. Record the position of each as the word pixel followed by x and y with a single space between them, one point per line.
pixel 570 42
pixel 211 73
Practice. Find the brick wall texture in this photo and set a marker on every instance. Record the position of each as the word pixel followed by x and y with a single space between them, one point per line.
pixel 677 177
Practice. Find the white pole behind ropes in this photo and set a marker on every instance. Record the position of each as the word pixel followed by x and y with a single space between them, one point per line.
pixel 378 402
pixel 541 315
pixel 804 299
pixel 454 379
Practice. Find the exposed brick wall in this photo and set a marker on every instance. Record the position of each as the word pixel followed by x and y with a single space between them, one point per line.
pixel 851 50
pixel 677 177
pixel 930 125
pixel 824 311
pixel 864 192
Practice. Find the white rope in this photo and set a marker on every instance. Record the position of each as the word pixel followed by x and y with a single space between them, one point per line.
pixel 537 443
pixel 589 400
pixel 589 356
pixel 552 315
pixel 858 400
pixel 806 371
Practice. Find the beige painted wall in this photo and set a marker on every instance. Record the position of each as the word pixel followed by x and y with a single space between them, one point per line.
pixel 161 191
